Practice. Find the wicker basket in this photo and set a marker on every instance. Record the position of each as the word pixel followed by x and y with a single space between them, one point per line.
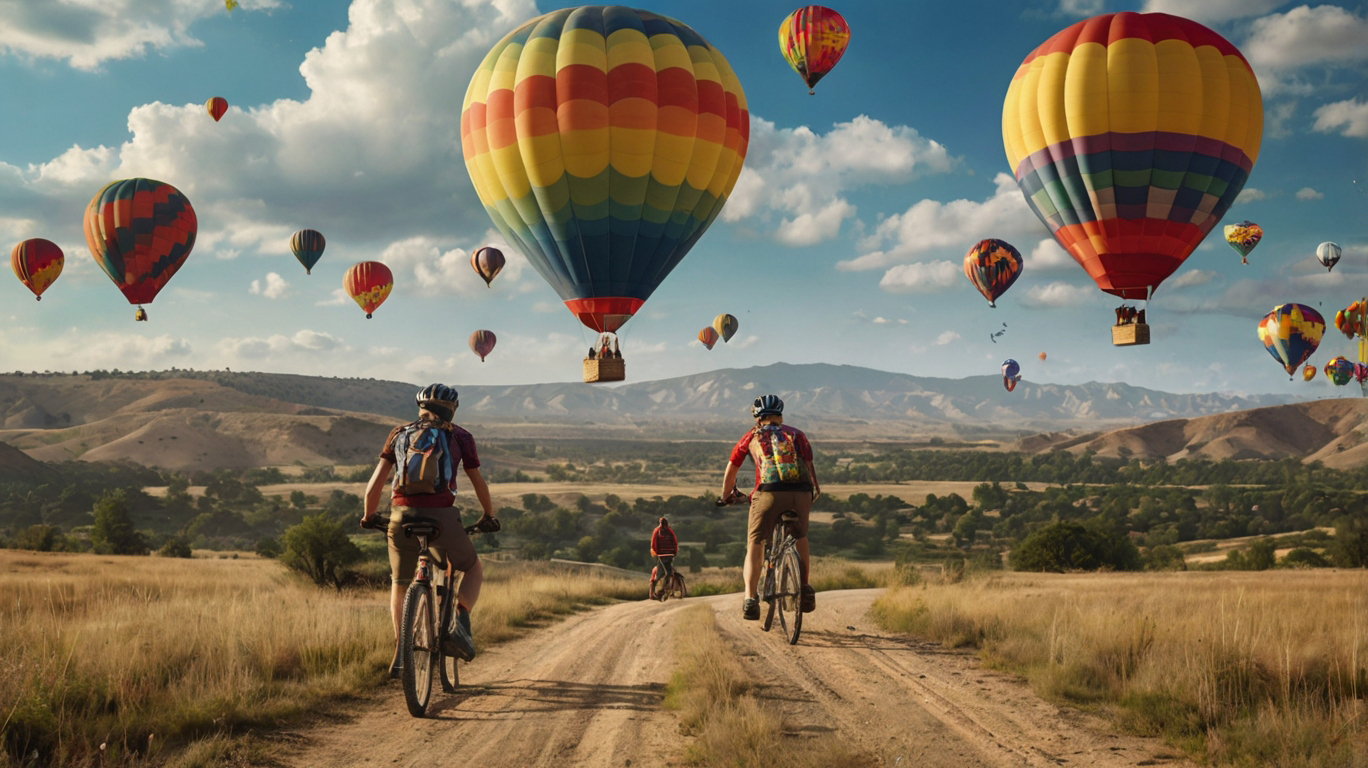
pixel 1130 335
pixel 604 369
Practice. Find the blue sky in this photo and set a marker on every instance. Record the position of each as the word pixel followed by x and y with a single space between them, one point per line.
pixel 841 244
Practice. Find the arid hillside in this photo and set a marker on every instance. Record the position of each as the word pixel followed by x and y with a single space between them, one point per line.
pixel 1331 431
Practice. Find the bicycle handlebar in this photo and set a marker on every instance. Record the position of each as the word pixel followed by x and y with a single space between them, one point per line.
pixel 381 523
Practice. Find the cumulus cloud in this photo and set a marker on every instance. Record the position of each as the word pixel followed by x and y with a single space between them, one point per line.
pixel 85 34
pixel 273 287
pixel 1058 294
pixel 1281 45
pixel 948 337
pixel 429 270
pixel 1278 119
pixel 1250 194
pixel 1307 193
pixel 800 175
pixel 91 350
pixel 1081 7
pixel 1350 116
pixel 921 277
pixel 1048 256
pixel 1207 11
pixel 255 348
pixel 1192 277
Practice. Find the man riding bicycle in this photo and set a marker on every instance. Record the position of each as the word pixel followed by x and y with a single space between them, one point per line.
pixel 426 453
pixel 785 480
pixel 664 547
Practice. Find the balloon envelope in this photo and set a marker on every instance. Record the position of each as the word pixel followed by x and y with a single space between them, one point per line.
pixel 1308 372
pixel 487 263
pixel 307 246
pixel 140 232
pixel 368 283
pixel 1243 237
pixel 1328 254
pixel 725 325
pixel 603 141
pixel 1130 135
pixel 812 39
pixel 1042 356
pixel 1339 370
pixel 708 336
pixel 1011 374
pixel 1291 333
pixel 216 107
pixel 482 343
pixel 992 266
pixel 37 262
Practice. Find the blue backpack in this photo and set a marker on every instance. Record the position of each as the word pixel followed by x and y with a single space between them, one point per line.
pixel 422 459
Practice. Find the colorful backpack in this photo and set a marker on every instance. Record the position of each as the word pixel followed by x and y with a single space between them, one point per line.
pixel 780 462
pixel 422 458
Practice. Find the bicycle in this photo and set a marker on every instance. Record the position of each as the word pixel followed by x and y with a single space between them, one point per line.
pixel 423 631
pixel 781 584
pixel 670 586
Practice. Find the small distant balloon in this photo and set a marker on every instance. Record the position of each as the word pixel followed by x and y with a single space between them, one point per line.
pixel 708 336
pixel 307 246
pixel 487 262
pixel 1243 237
pixel 37 263
pixel 1328 254
pixel 1011 374
pixel 216 107
pixel 368 283
pixel 992 266
pixel 1308 372
pixel 482 343
pixel 1041 356
pixel 725 325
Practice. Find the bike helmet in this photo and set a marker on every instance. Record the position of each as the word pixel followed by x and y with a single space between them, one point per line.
pixel 439 394
pixel 766 405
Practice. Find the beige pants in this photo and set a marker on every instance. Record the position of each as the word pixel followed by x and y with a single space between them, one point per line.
pixel 767 506
pixel 454 542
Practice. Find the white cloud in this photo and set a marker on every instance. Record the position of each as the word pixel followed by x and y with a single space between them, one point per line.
pixel 1048 256
pixel 930 225
pixel 948 337
pixel 86 33
pixel 1207 11
pixel 801 175
pixel 1307 193
pixel 1325 37
pixel 1351 114
pixel 274 287
pixel 338 298
pixel 90 350
pixel 1278 118
pixel 1081 7
pixel 922 277
pixel 880 321
pixel 421 266
pixel 1059 294
pixel 1250 194
pixel 1192 277
pixel 278 345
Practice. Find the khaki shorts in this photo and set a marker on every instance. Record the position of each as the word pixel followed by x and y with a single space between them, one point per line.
pixel 767 506
pixel 403 550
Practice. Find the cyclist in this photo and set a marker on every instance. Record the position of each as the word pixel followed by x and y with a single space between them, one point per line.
pixel 664 546
pixel 785 480
pixel 437 404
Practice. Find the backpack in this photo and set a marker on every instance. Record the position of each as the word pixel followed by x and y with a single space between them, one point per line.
pixel 780 462
pixel 422 458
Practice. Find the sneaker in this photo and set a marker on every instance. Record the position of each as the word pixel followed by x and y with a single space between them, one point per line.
pixel 457 641
pixel 808 600
pixel 750 610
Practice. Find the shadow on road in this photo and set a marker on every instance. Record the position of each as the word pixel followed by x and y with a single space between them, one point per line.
pixel 526 696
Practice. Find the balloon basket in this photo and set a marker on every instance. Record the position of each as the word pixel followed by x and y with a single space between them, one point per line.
pixel 604 369
pixel 1130 334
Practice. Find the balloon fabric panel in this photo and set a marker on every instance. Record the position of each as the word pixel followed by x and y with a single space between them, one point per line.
pixel 1130 136
pixel 812 39
pixel 1291 333
pixel 307 246
pixel 37 263
pixel 140 232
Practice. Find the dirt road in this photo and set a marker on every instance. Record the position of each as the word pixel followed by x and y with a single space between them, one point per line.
pixel 589 692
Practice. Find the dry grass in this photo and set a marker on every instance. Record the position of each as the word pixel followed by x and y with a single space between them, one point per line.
pixel 146 655
pixel 1256 669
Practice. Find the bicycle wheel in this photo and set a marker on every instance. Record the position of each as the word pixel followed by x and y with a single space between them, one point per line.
pixel 767 594
pixel 680 590
pixel 417 646
pixel 789 598
pixel 446 665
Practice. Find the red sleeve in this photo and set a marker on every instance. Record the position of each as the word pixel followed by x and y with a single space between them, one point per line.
pixel 742 449
pixel 804 448
pixel 387 453
pixel 465 444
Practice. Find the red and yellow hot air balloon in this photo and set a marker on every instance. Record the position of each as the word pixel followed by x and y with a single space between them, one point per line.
pixel 708 336
pixel 216 107
pixel 603 141
pixel 487 263
pixel 482 343
pixel 1130 135
pixel 368 283
pixel 992 266
pixel 812 39
pixel 140 232
pixel 37 262
pixel 1308 372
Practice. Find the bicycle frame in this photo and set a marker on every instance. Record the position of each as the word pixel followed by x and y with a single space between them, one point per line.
pixel 781 582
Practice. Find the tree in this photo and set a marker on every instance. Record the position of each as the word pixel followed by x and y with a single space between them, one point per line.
pixel 175 547
pixel 1350 549
pixel 694 558
pixel 1070 546
pixel 1261 555
pixel 113 532
pixel 320 549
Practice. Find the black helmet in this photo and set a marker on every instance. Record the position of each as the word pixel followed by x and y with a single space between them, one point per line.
pixel 440 394
pixel 767 405
pixel 664 521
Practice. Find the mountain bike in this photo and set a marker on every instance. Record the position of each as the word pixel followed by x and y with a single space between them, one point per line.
pixel 669 586
pixel 781 582
pixel 428 608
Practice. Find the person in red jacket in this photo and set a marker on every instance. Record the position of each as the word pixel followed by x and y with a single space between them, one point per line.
pixel 664 547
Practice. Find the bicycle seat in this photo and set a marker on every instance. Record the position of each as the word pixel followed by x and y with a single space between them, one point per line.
pixel 422 526
pixel 789 517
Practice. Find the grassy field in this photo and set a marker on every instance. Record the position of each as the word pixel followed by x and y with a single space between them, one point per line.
pixel 115 660
pixel 1237 668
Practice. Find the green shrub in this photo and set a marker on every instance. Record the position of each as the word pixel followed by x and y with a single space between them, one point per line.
pixel 1074 547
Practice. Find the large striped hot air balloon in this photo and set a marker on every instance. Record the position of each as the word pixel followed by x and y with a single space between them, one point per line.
pixel 992 266
pixel 812 39
pixel 140 232
pixel 307 246
pixel 368 283
pixel 1130 136
pixel 603 141
pixel 1291 333
pixel 37 262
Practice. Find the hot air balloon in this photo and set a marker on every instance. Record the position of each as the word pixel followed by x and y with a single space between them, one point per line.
pixel 992 266
pixel 708 336
pixel 1328 254
pixel 1361 373
pixel 1350 320
pixel 307 246
pixel 1130 135
pixel 37 262
pixel 725 325
pixel 482 343
pixel 216 107
pixel 603 141
pixel 1291 333
pixel 1308 372
pixel 140 232
pixel 1042 356
pixel 1011 374
pixel 812 40
pixel 1243 237
pixel 368 283
pixel 487 262
pixel 1339 370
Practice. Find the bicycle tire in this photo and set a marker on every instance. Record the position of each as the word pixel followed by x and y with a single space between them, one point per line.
pixel 446 664
pixel 416 644
pixel 767 595
pixel 681 587
pixel 790 596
